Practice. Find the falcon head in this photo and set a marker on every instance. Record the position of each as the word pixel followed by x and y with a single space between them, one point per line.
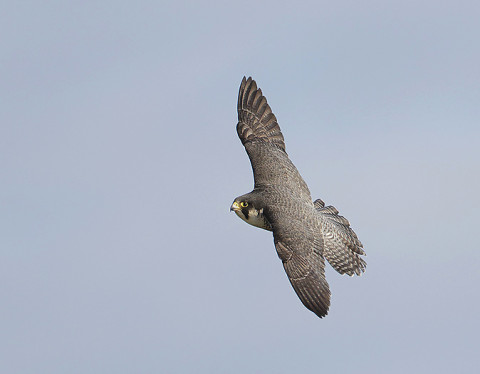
pixel 245 208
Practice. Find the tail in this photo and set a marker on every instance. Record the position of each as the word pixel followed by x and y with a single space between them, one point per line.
pixel 342 249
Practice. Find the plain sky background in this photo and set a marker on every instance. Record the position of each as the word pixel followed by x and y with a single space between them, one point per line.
pixel 119 160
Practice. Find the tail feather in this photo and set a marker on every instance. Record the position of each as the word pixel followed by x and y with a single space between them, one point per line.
pixel 342 248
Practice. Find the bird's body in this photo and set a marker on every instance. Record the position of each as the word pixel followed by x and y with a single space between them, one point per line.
pixel 305 232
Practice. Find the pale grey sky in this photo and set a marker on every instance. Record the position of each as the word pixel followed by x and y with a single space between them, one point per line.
pixel 119 160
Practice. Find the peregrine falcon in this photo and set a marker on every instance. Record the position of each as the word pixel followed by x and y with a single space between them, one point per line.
pixel 305 232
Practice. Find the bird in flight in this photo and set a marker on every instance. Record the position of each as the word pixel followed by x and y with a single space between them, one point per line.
pixel 305 232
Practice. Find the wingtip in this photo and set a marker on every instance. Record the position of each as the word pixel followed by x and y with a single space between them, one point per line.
pixel 255 117
pixel 321 315
pixel 246 80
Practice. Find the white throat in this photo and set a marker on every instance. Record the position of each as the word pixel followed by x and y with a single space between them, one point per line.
pixel 255 218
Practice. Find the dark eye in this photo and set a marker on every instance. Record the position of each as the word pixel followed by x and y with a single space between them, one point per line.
pixel 243 204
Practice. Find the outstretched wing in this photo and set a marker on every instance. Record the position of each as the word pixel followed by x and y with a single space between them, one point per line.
pixel 306 271
pixel 341 248
pixel 256 122
pixel 260 134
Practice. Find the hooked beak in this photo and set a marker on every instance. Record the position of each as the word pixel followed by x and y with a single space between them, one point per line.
pixel 235 206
